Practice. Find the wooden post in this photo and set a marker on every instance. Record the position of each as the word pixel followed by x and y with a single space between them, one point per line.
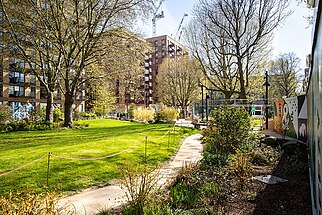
pixel 49 154
pixel 169 138
pixel 145 148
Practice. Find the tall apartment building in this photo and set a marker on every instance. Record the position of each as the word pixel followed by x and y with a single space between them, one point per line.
pixel 162 47
pixel 20 89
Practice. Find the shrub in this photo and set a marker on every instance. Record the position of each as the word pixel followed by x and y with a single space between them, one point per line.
pixel 169 114
pixel 5 115
pixel 229 129
pixel 138 183
pixel 143 115
pixel 58 113
pixel 215 160
pixel 241 167
pixel 183 195
pixel 29 203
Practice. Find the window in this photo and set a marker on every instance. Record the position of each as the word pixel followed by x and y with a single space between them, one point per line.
pixel 33 92
pixel 16 91
pixel 32 79
pixel 16 77
pixel 43 93
pixel 16 63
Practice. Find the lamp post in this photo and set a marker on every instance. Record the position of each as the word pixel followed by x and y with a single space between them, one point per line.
pixel 266 84
pixel 207 97
pixel 201 85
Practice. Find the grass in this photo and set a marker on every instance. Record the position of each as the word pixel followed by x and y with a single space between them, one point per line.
pixel 103 137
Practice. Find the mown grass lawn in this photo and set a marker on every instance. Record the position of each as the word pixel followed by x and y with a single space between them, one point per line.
pixel 103 137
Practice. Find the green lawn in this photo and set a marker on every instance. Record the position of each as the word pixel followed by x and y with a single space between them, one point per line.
pixel 103 137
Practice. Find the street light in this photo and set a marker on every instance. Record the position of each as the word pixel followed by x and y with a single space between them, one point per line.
pixel 266 84
pixel 202 86
pixel 207 97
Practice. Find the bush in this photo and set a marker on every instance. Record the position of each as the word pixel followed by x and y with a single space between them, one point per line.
pixel 241 167
pixel 58 113
pixel 78 115
pixel 169 114
pixel 138 183
pixel 29 203
pixel 229 129
pixel 215 160
pixel 143 115
pixel 5 114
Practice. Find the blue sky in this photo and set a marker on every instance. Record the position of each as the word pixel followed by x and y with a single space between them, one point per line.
pixel 293 36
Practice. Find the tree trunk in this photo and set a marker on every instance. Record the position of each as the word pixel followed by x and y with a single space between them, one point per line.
pixel 184 111
pixel 68 111
pixel 50 108
pixel 242 94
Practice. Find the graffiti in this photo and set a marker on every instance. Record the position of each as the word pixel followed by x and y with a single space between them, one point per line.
pixel 22 110
pixel 290 117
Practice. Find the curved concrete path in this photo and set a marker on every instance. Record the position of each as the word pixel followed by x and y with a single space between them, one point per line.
pixel 92 201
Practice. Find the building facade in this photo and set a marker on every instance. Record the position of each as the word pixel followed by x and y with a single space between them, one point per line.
pixel 314 114
pixel 162 47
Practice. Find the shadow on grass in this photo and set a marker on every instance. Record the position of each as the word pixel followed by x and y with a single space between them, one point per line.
pixel 292 197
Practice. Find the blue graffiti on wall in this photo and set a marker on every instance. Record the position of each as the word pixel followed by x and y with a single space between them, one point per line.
pixel 22 110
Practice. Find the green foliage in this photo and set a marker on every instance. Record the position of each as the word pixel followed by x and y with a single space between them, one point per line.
pixel 138 183
pixel 240 166
pixel 183 195
pixel 232 127
pixel 215 160
pixel 143 115
pixel 5 115
pixel 169 114
pixel 82 115
pixel 30 203
pixel 264 155
pixel 184 192
pixel 131 109
pixel 57 114
pixel 26 126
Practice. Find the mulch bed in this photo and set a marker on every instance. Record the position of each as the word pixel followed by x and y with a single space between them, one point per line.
pixel 292 197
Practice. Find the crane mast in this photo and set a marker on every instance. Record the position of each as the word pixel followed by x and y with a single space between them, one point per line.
pixel 155 17
pixel 179 31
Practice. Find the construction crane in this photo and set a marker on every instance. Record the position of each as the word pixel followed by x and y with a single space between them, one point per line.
pixel 179 31
pixel 155 17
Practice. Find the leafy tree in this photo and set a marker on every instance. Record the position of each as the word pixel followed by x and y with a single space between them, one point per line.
pixel 29 39
pixel 235 39
pixel 77 30
pixel 284 75
pixel 123 64
pixel 178 82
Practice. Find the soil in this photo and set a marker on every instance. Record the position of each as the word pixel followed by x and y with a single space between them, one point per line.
pixel 291 197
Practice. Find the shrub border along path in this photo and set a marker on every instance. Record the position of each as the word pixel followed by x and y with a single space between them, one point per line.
pixel 92 201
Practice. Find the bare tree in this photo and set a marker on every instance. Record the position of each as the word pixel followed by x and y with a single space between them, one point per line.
pixel 178 82
pixel 284 75
pixel 212 54
pixel 240 30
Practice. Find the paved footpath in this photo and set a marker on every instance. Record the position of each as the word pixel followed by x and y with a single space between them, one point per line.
pixel 92 201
